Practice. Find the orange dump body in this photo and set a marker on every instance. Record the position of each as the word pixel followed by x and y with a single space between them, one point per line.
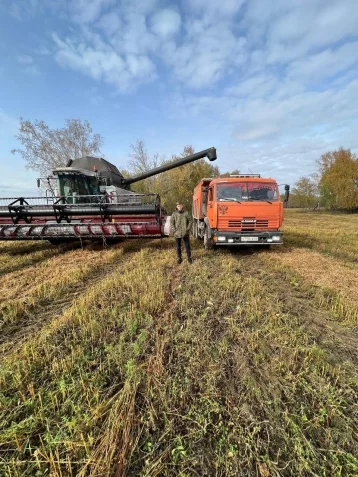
pixel 238 211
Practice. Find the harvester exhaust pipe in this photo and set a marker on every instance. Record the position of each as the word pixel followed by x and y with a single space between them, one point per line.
pixel 209 153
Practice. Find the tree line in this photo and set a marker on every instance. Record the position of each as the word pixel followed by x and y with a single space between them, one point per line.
pixel 334 186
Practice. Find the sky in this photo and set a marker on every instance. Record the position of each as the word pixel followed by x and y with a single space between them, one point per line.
pixel 272 84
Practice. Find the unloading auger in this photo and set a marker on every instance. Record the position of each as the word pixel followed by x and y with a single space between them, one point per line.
pixel 89 199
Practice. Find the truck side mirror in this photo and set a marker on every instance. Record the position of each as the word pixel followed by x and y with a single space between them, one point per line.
pixel 38 183
pixel 287 192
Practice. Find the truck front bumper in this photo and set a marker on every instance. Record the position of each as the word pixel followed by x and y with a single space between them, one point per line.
pixel 247 238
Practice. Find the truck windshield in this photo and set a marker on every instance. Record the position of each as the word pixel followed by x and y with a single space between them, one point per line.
pixel 247 191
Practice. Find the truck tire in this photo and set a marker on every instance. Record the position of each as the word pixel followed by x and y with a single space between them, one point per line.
pixel 208 241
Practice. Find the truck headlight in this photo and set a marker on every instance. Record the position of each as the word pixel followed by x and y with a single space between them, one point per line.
pixel 230 240
pixel 221 239
pixel 276 238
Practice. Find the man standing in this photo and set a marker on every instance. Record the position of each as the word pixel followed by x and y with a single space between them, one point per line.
pixel 180 225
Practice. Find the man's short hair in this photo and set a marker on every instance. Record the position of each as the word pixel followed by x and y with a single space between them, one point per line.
pixel 179 203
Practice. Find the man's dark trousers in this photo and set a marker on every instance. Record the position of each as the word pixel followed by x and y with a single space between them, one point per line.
pixel 187 246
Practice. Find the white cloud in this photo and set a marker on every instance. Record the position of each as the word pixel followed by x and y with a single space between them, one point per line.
pixel 135 38
pixel 32 70
pixel 308 123
pixel 285 160
pixel 84 11
pixel 213 7
pixel 42 50
pixel 110 23
pixel 15 11
pixel 204 57
pixel 28 66
pixel 23 10
pixel 208 49
pixel 142 7
pixel 165 23
pixel 104 64
pixel 258 85
pixel 272 76
pixel 308 27
pixel 25 59
pixel 325 64
pixel 298 114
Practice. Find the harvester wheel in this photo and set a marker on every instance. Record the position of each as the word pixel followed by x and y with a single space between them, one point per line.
pixel 208 241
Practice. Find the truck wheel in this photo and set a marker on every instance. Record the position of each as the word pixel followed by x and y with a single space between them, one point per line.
pixel 208 241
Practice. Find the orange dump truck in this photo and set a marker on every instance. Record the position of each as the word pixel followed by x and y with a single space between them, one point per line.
pixel 238 210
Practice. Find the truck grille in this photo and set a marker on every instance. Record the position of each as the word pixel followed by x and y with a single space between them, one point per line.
pixel 249 225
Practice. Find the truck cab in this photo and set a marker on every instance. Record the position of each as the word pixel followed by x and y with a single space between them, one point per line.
pixel 238 210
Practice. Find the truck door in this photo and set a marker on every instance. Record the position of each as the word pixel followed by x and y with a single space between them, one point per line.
pixel 204 204
pixel 212 209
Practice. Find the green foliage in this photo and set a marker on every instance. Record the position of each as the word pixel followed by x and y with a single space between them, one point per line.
pixel 339 179
pixel 235 172
pixel 176 184
pixel 304 193
pixel 335 186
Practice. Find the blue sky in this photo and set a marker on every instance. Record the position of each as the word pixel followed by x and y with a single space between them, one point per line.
pixel 272 84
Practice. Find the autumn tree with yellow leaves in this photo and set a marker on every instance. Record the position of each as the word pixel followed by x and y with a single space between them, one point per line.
pixel 335 186
pixel 339 179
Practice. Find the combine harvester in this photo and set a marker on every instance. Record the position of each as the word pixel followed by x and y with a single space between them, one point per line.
pixel 89 199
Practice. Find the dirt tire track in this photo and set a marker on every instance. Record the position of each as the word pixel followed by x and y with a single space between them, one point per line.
pixel 340 342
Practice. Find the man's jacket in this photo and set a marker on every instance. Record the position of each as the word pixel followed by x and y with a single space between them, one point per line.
pixel 181 223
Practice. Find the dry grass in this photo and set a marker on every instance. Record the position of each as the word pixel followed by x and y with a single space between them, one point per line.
pixel 229 367
pixel 331 233
pixel 326 273
pixel 322 250
pixel 23 294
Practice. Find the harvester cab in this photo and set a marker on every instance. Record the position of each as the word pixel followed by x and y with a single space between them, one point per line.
pixel 89 199
pixel 77 183
pixel 89 178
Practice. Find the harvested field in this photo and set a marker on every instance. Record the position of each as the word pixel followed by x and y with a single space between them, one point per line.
pixel 120 362
pixel 333 234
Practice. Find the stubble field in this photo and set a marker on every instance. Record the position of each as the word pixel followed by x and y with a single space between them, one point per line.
pixel 119 362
